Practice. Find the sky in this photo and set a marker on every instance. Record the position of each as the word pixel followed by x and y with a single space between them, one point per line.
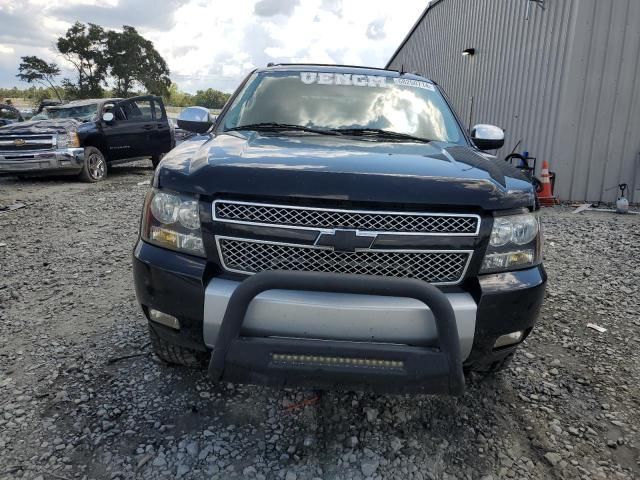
pixel 215 43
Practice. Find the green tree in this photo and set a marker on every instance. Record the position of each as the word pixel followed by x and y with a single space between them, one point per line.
pixel 134 62
pixel 210 98
pixel 84 47
pixel 33 69
pixel 176 98
pixel 102 58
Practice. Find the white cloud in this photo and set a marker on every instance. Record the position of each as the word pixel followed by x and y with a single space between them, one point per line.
pixel 269 8
pixel 375 29
pixel 215 44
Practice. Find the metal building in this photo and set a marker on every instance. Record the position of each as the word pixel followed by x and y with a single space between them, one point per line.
pixel 562 76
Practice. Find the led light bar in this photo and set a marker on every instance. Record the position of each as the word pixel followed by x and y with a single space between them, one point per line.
pixel 336 361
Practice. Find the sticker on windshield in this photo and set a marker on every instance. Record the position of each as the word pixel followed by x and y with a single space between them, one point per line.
pixel 356 80
pixel 407 82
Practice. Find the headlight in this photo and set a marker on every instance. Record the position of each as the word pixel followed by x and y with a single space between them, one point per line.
pixel 165 206
pixel 516 229
pixel 172 221
pixel 68 140
pixel 515 243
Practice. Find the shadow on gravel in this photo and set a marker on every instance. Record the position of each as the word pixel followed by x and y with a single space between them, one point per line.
pixel 147 409
pixel 123 170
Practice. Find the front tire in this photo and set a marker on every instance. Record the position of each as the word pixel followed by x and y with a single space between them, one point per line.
pixel 490 369
pixel 94 168
pixel 175 354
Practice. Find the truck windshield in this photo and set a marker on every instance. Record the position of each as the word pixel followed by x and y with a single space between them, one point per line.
pixel 344 101
pixel 80 112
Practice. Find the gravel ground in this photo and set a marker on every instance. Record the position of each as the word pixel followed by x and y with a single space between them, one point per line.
pixel 72 406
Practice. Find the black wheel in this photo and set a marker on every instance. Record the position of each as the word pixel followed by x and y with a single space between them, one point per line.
pixel 175 354
pixel 489 369
pixel 95 166
pixel 155 160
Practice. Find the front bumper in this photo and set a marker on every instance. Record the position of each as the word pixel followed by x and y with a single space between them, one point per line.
pixel 185 287
pixel 337 316
pixel 42 161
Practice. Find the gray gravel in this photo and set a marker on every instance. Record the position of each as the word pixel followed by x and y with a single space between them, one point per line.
pixel 568 407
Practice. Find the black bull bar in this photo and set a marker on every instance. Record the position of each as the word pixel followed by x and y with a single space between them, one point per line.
pixel 343 365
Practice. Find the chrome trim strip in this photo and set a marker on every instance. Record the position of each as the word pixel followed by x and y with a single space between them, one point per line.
pixel 342 210
pixel 315 247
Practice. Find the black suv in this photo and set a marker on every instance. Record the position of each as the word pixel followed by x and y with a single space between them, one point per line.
pixel 336 227
pixel 85 136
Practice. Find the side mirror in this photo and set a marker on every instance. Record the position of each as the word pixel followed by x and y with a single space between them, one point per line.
pixel 487 137
pixel 108 117
pixel 195 119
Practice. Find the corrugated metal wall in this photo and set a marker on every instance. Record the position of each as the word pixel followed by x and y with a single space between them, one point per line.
pixel 565 81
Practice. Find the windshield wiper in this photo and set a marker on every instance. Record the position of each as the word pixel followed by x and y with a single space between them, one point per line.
pixel 281 127
pixel 378 132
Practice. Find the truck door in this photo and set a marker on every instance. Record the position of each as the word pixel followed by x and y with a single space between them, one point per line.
pixel 131 134
pixel 163 137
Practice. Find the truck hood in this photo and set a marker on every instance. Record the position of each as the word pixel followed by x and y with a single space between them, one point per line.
pixel 59 125
pixel 340 169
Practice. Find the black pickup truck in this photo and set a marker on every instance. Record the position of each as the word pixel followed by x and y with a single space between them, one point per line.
pixel 85 136
pixel 336 227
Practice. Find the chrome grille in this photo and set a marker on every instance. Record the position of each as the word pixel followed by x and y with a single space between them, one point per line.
pixel 322 218
pixel 433 266
pixel 18 143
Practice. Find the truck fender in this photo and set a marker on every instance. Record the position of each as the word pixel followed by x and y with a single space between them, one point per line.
pixel 97 142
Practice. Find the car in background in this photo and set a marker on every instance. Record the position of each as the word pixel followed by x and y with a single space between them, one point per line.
pixel 84 137
pixel 41 112
pixel 9 114
pixel 47 103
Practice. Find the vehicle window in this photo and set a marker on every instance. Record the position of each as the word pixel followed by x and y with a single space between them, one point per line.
pixel 330 100
pixel 137 111
pixel 157 110
pixel 118 112
pixel 79 112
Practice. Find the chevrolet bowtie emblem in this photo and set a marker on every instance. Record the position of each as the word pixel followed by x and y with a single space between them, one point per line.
pixel 345 240
pixel 18 142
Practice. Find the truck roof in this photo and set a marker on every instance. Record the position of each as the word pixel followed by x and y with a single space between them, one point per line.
pixel 320 67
